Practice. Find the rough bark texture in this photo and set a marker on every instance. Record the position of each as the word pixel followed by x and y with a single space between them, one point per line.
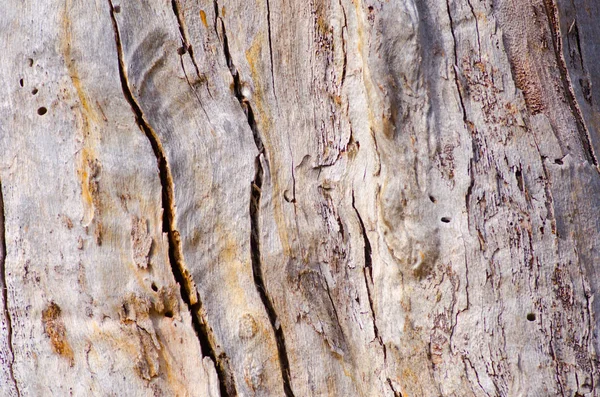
pixel 299 198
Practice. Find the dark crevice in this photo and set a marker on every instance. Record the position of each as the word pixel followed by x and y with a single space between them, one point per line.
pixel 345 26
pixel 519 177
pixel 549 202
pixel 467 360
pixel 471 171
pixel 368 251
pixel 180 273
pixel 271 49
pixel 194 90
pixel 396 393
pixel 237 87
pixel 578 42
pixel 4 288
pixel 255 195
pixel 184 39
pixel 584 135
pixel 293 184
pixel 456 73
pixel 187 48
pixel 328 290
pixel 368 274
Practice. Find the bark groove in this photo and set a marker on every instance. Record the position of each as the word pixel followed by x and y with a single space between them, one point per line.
pixel 4 288
pixel 259 282
pixel 255 193
pixel 188 291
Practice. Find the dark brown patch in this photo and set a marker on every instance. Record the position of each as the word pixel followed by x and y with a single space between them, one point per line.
pixel 56 331
pixel 526 81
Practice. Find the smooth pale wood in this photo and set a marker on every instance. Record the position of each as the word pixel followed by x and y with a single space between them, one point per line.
pixel 393 198
pixel 85 318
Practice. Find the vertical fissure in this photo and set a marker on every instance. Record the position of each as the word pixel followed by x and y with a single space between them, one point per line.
pixel 237 87
pixel 466 360
pixel 584 135
pixel 4 287
pixel 368 269
pixel 456 73
pixel 184 39
pixel 368 275
pixel 549 201
pixel 271 48
pixel 344 49
pixel 183 278
pixel 471 172
pixel 255 196
pixel 396 393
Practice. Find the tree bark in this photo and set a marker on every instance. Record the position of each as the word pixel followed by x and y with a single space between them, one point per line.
pixel 299 198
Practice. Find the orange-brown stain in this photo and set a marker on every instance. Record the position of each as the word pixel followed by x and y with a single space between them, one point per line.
pixel 233 266
pixel 88 166
pixel 56 331
pixel 203 18
pixel 409 377
pixel 174 376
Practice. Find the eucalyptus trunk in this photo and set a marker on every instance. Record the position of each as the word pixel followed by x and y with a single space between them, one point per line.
pixel 299 198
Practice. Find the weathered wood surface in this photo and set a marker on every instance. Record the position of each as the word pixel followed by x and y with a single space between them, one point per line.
pixel 204 198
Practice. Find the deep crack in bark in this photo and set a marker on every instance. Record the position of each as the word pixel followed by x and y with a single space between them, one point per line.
pixel 259 282
pixel 396 393
pixel 4 288
pixel 184 39
pixel 237 86
pixel 180 273
pixel 456 74
pixel 271 49
pixel 369 269
pixel 255 195
pixel 584 134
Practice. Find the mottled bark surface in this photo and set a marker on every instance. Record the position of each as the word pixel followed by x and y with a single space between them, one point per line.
pixel 299 198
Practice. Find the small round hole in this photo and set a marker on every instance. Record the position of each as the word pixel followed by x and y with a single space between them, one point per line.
pixel 21 83
pixel 432 199
pixel 117 9
pixel 42 111
pixel 30 62
pixel 181 50
pixel 530 316
pixel 558 161
pixel 169 314
pixel 445 219
pixel 34 91
pixel 154 287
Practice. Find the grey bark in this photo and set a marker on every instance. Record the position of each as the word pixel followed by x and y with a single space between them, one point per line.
pixel 299 198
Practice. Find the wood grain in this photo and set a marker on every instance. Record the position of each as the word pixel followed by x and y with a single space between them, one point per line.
pixel 323 198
